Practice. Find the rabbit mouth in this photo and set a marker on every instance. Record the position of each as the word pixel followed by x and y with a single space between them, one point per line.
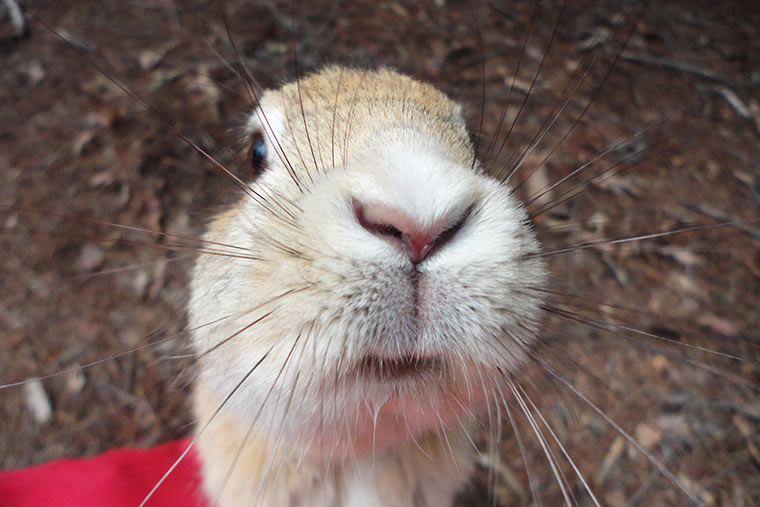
pixel 397 368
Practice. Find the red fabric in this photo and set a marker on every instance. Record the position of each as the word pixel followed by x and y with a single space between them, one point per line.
pixel 117 478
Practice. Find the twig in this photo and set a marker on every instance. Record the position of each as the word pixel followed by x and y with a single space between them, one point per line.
pixel 740 107
pixel 713 213
pixel 17 17
pixel 691 69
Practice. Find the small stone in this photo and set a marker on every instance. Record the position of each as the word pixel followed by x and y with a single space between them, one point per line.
pixel 90 258
pixel 647 436
pixel 140 282
pixel 75 382
pixel 661 364
pixel 610 460
pixel 615 498
pixel 674 425
pixel 35 73
pixel 38 402
pixel 148 60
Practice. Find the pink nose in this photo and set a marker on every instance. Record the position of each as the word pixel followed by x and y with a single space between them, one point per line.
pixel 395 226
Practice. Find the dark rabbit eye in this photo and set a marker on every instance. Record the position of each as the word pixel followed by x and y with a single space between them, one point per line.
pixel 257 154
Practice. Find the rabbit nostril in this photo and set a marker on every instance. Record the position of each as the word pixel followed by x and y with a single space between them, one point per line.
pixel 448 233
pixel 371 221
pixel 386 230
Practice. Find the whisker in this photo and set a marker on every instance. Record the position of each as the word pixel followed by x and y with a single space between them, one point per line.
pixel 585 165
pixel 654 461
pixel 254 97
pixel 598 324
pixel 704 366
pixel 492 439
pixel 534 80
pixel 203 429
pixel 73 369
pixel 151 109
pixel 300 98
pixel 523 452
pixel 494 448
pixel 255 419
pixel 229 66
pixel 9 289
pixel 115 225
pixel 576 121
pixel 561 447
pixel 497 133
pixel 618 167
pixel 277 443
pixel 347 133
pixel 594 244
pixel 481 52
pixel 614 169
pixel 561 481
pixel 582 301
pixel 335 111
pixel 158 246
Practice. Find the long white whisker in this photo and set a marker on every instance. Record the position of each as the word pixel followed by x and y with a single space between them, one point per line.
pixel 657 463
pixel 561 447
pixel 203 429
pixel 523 452
pixel 542 441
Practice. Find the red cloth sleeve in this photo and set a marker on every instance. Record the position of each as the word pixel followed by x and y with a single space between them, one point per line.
pixel 117 478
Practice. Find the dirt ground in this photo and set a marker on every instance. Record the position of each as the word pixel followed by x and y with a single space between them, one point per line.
pixel 625 321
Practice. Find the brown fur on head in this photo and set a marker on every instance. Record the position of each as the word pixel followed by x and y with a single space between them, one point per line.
pixel 343 107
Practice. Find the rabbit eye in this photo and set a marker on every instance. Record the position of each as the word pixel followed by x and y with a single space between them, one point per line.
pixel 257 155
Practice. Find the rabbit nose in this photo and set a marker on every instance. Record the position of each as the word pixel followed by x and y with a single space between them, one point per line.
pixel 397 227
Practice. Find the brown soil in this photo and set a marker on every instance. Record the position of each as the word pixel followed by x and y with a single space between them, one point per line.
pixel 73 144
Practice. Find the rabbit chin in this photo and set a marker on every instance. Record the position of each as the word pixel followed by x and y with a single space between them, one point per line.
pixel 390 418
pixel 366 417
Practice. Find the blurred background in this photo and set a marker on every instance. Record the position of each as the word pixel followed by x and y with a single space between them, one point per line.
pixel 658 105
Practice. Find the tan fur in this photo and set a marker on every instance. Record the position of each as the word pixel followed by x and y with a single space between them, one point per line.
pixel 333 132
pixel 232 465
pixel 343 108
